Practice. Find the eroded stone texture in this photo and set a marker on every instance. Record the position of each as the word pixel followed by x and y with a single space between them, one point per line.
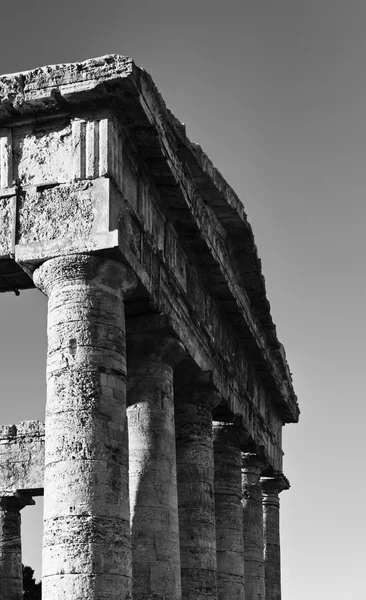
pixel 228 440
pixel 271 488
pixel 48 214
pixel 42 153
pixel 253 465
pixel 22 457
pixel 153 480
pixel 195 397
pixel 86 538
pixel 11 577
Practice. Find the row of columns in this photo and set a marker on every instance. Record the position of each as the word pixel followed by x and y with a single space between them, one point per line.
pixel 244 563
pixel 192 519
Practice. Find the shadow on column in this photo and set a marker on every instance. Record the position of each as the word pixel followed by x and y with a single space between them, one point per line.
pixel 153 483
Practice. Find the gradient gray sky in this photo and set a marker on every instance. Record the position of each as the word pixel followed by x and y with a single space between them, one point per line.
pixel 275 92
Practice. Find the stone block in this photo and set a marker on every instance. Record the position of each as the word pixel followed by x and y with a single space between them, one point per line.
pixel 22 457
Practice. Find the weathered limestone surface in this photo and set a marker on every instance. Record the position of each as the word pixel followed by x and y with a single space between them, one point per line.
pixel 271 488
pixel 228 441
pixel 195 398
pixel 22 457
pixel 86 540
pixel 153 477
pixel 253 465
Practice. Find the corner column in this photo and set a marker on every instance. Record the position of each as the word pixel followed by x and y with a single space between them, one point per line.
pixel 228 440
pixel 152 354
pixel 271 488
pixel 86 537
pixel 195 398
pixel 253 465
pixel 11 576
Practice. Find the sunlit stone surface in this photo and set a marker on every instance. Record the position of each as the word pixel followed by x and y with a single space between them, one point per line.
pixel 126 225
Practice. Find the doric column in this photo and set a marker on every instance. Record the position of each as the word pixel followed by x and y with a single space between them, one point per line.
pixel 86 537
pixel 195 397
pixel 271 487
pixel 228 440
pixel 253 465
pixel 11 576
pixel 152 353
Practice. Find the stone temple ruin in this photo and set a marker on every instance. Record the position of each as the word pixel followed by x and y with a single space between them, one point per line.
pixel 160 459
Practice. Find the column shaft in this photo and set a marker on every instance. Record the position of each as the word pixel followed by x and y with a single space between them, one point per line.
pixel 11 577
pixel 271 487
pixel 195 473
pixel 229 512
pixel 153 478
pixel 253 465
pixel 86 537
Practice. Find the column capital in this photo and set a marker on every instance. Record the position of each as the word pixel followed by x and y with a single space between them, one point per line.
pixel 253 462
pixel 273 485
pixel 152 338
pixel 85 267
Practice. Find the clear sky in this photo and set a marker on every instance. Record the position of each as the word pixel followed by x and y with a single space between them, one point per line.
pixel 275 92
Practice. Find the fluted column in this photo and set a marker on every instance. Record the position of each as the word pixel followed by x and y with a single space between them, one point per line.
pixel 86 536
pixel 152 354
pixel 11 576
pixel 271 488
pixel 195 397
pixel 253 465
pixel 228 440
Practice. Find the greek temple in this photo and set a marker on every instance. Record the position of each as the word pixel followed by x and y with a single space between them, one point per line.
pixel 160 455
